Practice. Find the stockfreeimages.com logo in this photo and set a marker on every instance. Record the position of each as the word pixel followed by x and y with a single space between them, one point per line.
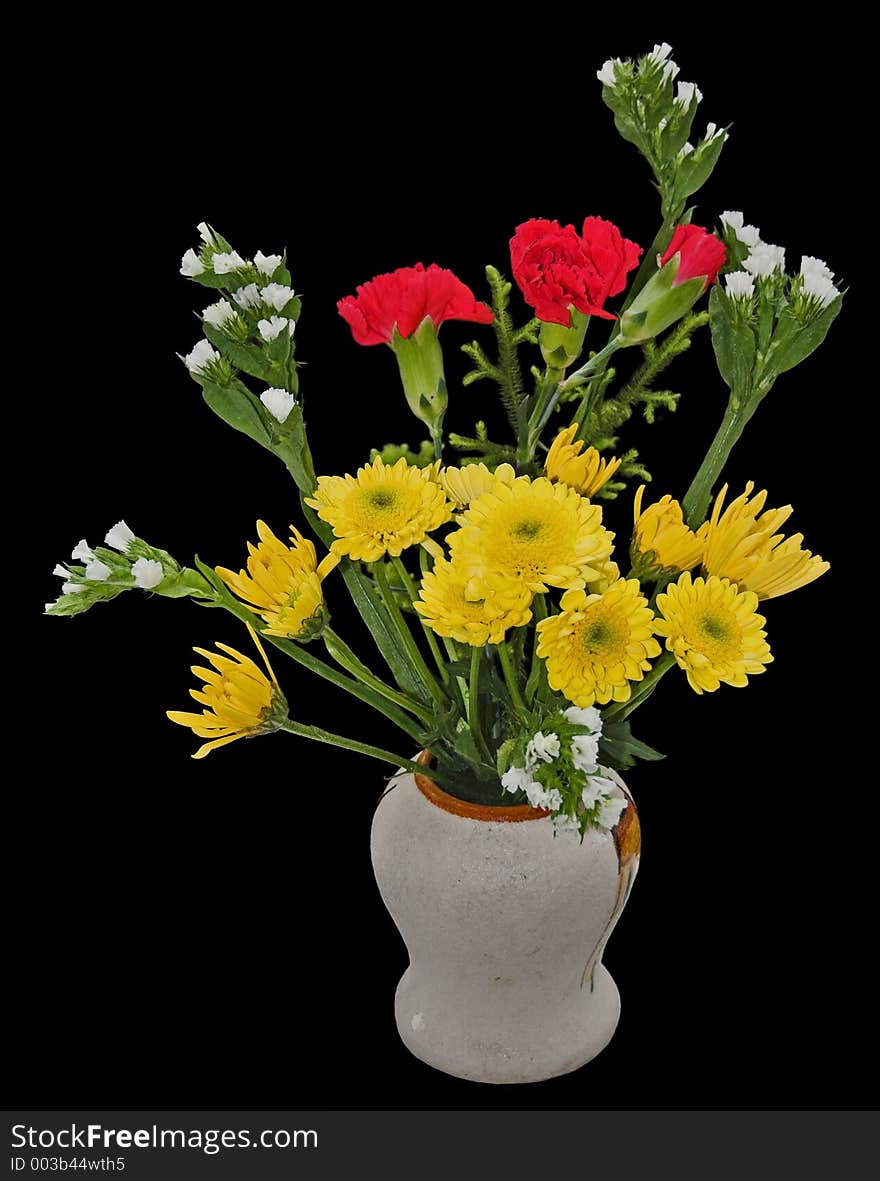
pixel 208 1140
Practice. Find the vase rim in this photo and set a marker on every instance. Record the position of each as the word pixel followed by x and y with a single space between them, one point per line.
pixel 502 813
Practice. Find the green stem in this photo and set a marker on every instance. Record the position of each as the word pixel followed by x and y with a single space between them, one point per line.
pixel 596 363
pixel 406 637
pixel 696 500
pixel 474 704
pixel 363 692
pixel 510 678
pixel 647 269
pixel 344 656
pixel 539 611
pixel 316 734
pixel 620 712
pixel 410 588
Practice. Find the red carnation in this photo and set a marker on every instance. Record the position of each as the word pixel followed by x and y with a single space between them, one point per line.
pixel 556 268
pixel 701 254
pixel 404 298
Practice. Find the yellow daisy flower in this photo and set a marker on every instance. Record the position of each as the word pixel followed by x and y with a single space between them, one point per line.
pixel 585 473
pixel 661 540
pixel 240 699
pixel 713 631
pixel 283 584
pixel 743 545
pixel 383 510
pixel 518 539
pixel 598 644
pixel 464 484
pixel 443 606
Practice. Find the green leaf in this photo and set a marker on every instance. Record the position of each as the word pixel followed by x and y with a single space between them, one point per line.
pixel 235 405
pixel 247 357
pixel 733 341
pixel 793 340
pixel 289 443
pixel 620 750
pixel 695 169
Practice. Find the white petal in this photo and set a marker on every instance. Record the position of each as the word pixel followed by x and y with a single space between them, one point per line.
pixel 590 717
pixel 815 268
pixel 686 93
pixel 205 233
pixel 224 263
pixel 247 297
pixel 820 288
pixel 270 328
pixel 72 588
pixel 606 75
pixel 219 313
pixel 542 748
pixel 147 573
pixel 515 779
pixel 81 552
pixel 764 259
pixel 749 236
pixel 739 285
pixel 279 403
pixel 201 354
pixel 276 295
pixel 611 811
pixel 585 752
pixel 267 264
pixel 732 218
pixel 97 571
pixel 119 537
pixel 660 52
pixel 191 264
pixel 61 571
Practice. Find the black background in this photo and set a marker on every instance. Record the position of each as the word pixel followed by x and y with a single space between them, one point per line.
pixel 209 934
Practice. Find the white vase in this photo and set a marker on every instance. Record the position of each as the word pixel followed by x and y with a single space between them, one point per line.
pixel 505 925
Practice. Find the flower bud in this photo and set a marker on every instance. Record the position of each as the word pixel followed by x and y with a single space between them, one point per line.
pixel 420 360
pixel 690 265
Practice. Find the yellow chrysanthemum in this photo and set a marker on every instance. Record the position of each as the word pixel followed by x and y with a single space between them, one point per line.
pixel 585 473
pixel 383 510
pixel 443 606
pixel 240 699
pixel 713 631
pixel 464 484
pixel 608 573
pixel 598 644
pixel 518 539
pixel 661 540
pixel 743 545
pixel 283 584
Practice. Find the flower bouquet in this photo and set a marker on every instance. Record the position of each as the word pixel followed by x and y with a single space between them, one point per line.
pixel 510 634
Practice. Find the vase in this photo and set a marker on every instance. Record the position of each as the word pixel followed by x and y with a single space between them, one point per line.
pixel 505 923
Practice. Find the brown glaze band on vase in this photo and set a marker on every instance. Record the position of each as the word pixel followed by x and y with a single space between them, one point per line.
pixel 505 814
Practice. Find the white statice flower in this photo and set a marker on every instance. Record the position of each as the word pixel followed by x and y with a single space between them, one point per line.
pixel 542 748
pixel 147 573
pixel 219 313
pixel 606 75
pixel 72 588
pixel 97 571
pixel 686 93
pixel 119 537
pixel 566 823
pixel 191 265
pixel 61 571
pixel 660 52
pixel 247 297
pixel 205 234
pixel 597 787
pixel 515 779
pixel 764 259
pixel 589 717
pixel 276 295
pixel 225 263
pixel 685 150
pixel 539 797
pixel 739 285
pixel 818 280
pixel 81 552
pixel 585 752
pixel 267 264
pixel 279 403
pixel 201 354
pixel 611 810
pixel 749 235
pixel 271 328
pixel 713 131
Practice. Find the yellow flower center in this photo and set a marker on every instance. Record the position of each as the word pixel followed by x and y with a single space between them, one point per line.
pixel 526 530
pixel 600 637
pixel 380 498
pixel 716 633
pixel 714 628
